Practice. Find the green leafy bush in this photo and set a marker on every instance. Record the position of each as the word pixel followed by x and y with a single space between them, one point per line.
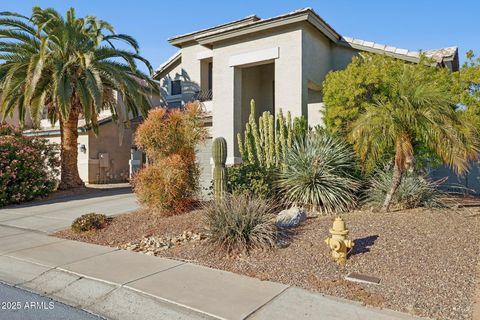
pixel 415 190
pixel 89 221
pixel 252 179
pixel 28 167
pixel 320 174
pixel 241 223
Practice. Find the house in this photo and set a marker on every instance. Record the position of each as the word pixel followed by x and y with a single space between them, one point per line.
pixel 280 62
pixel 110 156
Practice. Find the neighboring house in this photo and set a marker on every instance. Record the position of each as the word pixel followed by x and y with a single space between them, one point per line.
pixel 108 157
pixel 280 62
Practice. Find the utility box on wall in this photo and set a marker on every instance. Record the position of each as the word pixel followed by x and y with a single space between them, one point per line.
pixel 104 160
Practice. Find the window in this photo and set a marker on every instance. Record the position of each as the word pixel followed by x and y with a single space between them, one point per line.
pixel 176 87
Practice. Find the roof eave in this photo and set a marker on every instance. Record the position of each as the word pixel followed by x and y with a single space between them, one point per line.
pixel 205 38
pixel 190 37
pixel 379 51
pixel 157 75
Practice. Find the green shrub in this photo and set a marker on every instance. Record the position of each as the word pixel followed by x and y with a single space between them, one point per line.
pixel 28 167
pixel 415 190
pixel 320 174
pixel 89 221
pixel 241 223
pixel 248 178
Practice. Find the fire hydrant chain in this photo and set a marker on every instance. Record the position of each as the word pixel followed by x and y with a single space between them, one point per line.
pixel 338 242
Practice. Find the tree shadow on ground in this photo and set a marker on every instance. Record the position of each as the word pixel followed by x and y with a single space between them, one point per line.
pixel 363 245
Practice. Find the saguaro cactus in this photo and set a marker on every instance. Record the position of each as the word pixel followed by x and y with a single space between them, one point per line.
pixel 219 155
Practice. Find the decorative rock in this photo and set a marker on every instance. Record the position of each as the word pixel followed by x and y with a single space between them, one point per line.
pixel 290 218
pixel 152 245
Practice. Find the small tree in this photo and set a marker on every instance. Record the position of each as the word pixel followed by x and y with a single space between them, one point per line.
pixel 413 110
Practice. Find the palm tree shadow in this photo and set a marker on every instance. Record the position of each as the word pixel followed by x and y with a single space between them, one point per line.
pixel 363 245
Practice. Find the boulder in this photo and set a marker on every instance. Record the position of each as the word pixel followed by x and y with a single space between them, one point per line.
pixel 290 218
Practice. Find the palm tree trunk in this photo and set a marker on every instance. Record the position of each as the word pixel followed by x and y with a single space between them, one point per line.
pixel 396 180
pixel 69 152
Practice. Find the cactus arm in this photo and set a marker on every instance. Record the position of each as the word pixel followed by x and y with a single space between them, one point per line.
pixel 219 156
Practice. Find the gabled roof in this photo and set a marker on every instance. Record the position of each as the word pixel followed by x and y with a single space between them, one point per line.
pixel 223 27
pixel 253 24
pixel 167 64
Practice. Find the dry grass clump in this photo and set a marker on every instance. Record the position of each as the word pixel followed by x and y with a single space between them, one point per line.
pixel 241 223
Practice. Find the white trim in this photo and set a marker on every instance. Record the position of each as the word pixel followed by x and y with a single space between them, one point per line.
pixel 230 161
pixel 88 161
pixel 205 54
pixel 254 57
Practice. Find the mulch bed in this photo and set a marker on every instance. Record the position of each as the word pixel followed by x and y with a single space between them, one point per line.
pixel 426 259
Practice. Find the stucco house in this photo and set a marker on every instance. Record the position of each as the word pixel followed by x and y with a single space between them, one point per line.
pixel 280 62
pixel 110 156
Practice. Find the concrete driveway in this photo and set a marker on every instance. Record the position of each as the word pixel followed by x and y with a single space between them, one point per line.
pixel 58 213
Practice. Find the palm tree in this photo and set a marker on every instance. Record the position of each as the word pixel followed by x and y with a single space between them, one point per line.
pixel 69 68
pixel 414 111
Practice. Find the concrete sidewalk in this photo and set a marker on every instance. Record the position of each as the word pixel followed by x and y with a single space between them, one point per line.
pixel 57 214
pixel 119 284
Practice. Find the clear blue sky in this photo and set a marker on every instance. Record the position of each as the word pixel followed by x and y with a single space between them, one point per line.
pixel 409 24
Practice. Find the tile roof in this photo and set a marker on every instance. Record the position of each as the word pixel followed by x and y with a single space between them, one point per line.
pixel 252 21
pixel 438 55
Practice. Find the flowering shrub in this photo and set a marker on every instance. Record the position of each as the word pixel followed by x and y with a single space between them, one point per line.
pixel 169 138
pixel 28 167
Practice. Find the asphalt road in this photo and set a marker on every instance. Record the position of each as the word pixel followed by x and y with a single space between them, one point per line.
pixel 24 305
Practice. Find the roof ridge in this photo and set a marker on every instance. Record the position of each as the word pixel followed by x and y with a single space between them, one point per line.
pixel 251 17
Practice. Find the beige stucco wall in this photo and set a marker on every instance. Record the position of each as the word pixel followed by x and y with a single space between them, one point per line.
pixel 316 63
pixel 82 157
pixel 257 84
pixel 114 141
pixel 227 80
pixel 342 56
pixel 14 120
pixel 300 56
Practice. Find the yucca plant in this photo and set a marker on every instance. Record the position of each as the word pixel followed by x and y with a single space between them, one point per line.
pixel 241 223
pixel 415 190
pixel 319 173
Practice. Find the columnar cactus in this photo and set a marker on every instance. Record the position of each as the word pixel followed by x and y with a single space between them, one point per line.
pixel 219 155
pixel 265 142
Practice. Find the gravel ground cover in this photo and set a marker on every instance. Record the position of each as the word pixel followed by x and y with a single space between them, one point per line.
pixel 426 259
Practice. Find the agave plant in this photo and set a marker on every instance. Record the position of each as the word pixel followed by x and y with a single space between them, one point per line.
pixel 319 173
pixel 415 190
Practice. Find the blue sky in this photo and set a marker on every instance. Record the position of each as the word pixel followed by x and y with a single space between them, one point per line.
pixel 409 24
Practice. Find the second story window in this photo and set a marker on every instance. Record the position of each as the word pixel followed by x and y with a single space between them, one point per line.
pixel 176 87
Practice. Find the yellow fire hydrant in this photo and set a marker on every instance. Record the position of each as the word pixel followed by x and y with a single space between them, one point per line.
pixel 338 242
